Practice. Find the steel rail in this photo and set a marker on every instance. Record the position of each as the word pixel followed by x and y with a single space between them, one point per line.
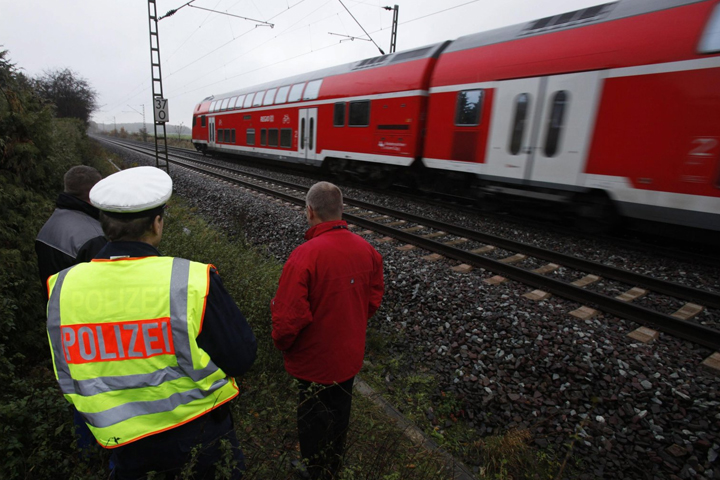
pixel 706 298
pixel 693 332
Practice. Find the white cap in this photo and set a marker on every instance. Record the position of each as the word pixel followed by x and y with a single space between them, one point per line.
pixel 132 190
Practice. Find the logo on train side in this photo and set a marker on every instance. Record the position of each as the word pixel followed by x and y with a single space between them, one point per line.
pixel 286 119
pixel 267 118
pixel 392 146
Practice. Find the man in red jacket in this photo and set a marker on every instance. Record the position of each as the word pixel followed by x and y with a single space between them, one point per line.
pixel 329 288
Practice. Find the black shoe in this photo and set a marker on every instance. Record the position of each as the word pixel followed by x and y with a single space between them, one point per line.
pixel 300 470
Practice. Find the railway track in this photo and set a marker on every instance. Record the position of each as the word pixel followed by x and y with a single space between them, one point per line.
pixel 698 246
pixel 479 250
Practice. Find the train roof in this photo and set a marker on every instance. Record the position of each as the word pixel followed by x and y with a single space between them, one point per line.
pixel 564 21
pixel 428 51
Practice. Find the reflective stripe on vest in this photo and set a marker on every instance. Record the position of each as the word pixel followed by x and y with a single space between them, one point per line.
pixel 163 346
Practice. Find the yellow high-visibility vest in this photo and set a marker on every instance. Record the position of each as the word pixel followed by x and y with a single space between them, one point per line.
pixel 123 340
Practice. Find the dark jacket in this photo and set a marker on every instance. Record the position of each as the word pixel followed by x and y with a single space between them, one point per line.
pixel 328 289
pixel 72 235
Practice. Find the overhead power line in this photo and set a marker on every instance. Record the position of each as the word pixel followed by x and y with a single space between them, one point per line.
pixel 363 29
pixel 263 24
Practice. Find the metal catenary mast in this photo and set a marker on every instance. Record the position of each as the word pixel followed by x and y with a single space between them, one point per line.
pixel 160 104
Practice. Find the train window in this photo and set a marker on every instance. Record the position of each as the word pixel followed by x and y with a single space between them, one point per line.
pixel 282 95
pixel 231 103
pixel 232 136
pixel 518 125
pixel 339 116
pixel 258 99
pixel 710 41
pixel 273 137
pixel 224 104
pixel 194 124
pixel 263 137
pixel 555 122
pixel 296 92
pixel 203 121
pixel 248 101
pixel 240 101
pixel 311 133
pixel 286 137
pixel 302 134
pixel 313 90
pixel 212 106
pixel 270 96
pixel 359 114
pixel 469 106
pixel 250 136
pixel 227 135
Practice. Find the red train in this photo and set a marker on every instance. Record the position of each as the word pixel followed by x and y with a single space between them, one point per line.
pixel 612 109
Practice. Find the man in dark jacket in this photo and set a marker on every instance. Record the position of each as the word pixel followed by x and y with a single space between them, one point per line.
pixel 73 233
pixel 329 288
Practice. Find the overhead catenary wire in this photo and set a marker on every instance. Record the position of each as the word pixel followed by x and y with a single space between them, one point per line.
pixel 286 31
pixel 363 28
pixel 263 23
pixel 289 29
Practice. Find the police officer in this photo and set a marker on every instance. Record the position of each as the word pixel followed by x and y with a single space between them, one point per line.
pixel 144 346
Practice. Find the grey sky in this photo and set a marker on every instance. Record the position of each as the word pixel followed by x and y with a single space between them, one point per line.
pixel 204 53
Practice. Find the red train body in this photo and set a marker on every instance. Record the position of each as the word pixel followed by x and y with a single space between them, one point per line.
pixel 609 109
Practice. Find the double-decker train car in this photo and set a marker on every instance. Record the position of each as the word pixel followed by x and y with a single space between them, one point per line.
pixel 612 109
pixel 346 118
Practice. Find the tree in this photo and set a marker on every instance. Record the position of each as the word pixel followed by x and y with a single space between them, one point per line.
pixel 71 94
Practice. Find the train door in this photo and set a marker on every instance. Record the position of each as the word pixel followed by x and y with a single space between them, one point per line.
pixel 211 131
pixel 512 127
pixel 541 127
pixel 569 109
pixel 307 138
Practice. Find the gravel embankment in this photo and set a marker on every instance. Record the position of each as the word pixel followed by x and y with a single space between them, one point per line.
pixel 630 410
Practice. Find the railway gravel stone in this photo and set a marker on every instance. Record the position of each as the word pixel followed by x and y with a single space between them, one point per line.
pixel 626 409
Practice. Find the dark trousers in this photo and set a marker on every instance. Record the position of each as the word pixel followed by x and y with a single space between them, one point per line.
pixel 323 417
pixel 168 452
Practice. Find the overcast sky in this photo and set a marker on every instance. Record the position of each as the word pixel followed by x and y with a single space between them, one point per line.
pixel 204 53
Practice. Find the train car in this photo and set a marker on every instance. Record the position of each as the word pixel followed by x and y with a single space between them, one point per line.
pixel 364 117
pixel 612 108
pixel 605 111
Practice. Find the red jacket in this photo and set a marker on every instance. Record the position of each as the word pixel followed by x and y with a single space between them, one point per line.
pixel 329 288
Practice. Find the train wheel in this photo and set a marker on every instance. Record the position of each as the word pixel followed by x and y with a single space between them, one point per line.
pixel 596 213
